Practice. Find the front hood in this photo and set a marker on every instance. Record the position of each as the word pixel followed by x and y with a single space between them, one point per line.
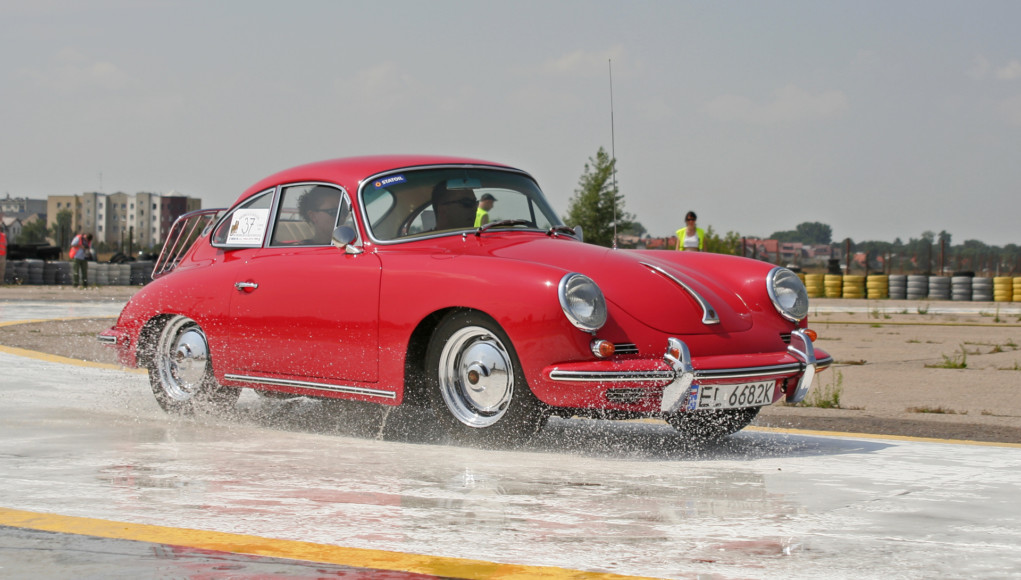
pixel 662 289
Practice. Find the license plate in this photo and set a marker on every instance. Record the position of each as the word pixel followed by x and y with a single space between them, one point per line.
pixel 736 396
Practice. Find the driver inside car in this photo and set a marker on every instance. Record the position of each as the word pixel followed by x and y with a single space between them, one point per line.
pixel 454 208
pixel 319 207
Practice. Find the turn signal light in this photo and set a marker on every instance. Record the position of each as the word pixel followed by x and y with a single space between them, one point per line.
pixel 812 335
pixel 602 348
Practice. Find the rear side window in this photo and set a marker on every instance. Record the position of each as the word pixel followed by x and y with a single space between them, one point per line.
pixel 245 226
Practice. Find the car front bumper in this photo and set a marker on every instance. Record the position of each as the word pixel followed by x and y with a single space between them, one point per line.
pixel 679 376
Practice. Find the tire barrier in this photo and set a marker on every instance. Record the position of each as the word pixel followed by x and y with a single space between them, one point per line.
pixel 939 287
pixel 815 284
pixel 898 286
pixel 1003 289
pixel 41 273
pixel 918 287
pixel 833 285
pixel 854 286
pixel 960 288
pixel 982 289
pixel 1017 290
pixel 877 286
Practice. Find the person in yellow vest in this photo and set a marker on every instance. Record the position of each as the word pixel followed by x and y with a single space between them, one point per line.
pixel 3 252
pixel 691 237
pixel 482 213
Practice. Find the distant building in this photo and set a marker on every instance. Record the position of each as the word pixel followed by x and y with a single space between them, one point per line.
pixel 21 207
pixel 12 227
pixel 139 220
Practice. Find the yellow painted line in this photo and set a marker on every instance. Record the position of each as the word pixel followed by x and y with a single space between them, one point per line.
pixel 880 436
pixel 293 550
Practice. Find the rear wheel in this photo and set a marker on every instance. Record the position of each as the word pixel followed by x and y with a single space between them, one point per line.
pixel 181 371
pixel 475 383
pixel 709 426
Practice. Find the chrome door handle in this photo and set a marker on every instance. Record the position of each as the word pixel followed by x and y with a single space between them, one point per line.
pixel 245 285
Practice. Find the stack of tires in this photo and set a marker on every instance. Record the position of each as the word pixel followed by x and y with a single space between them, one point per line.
pixel 960 288
pixel 877 286
pixel 63 275
pixel 1017 290
pixel 141 273
pixel 939 287
pixel 10 277
pixel 854 286
pixel 815 285
pixel 918 287
pixel 898 286
pixel 834 284
pixel 99 274
pixel 35 270
pixel 982 289
pixel 1003 289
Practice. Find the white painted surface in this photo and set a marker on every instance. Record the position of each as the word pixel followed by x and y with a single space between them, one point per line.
pixel 621 497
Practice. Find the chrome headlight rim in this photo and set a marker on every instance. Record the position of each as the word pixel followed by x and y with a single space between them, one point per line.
pixel 781 284
pixel 568 291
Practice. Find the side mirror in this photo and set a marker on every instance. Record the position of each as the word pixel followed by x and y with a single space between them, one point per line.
pixel 577 230
pixel 342 238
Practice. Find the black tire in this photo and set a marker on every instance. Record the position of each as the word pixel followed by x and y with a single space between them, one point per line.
pixel 181 370
pixel 475 385
pixel 710 426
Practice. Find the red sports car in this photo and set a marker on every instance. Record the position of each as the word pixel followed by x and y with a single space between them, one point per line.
pixel 451 283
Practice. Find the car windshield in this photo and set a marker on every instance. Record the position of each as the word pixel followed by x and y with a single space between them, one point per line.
pixel 417 203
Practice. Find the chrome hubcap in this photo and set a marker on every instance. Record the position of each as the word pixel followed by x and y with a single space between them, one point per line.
pixel 476 377
pixel 181 358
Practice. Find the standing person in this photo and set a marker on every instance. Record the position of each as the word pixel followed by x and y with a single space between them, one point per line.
pixel 81 250
pixel 482 214
pixel 691 237
pixel 3 251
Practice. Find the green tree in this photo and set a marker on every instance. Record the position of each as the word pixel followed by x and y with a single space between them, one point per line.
pixel 806 233
pixel 60 232
pixel 34 232
pixel 597 206
pixel 728 244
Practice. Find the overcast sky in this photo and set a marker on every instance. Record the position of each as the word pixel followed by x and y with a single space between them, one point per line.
pixel 883 119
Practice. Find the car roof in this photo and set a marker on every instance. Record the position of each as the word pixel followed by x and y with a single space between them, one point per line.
pixel 349 171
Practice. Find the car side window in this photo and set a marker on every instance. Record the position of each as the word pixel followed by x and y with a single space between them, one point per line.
pixel 308 214
pixel 245 226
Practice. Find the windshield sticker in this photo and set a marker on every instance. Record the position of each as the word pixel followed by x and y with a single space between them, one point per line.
pixel 390 181
pixel 247 227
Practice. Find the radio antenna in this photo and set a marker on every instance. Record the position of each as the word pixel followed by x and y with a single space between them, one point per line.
pixel 613 158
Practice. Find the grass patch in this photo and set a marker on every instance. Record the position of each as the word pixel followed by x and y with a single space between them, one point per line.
pixel 952 362
pixel 826 396
pixel 934 410
pixel 1016 367
pixel 923 309
pixel 914 341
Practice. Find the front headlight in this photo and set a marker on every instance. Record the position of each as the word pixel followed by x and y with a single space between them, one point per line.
pixel 582 301
pixel 787 293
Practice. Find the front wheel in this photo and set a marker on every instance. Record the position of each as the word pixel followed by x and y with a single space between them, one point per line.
pixel 475 383
pixel 181 371
pixel 710 426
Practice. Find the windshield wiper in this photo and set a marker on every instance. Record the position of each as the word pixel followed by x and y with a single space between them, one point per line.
pixel 485 227
pixel 562 229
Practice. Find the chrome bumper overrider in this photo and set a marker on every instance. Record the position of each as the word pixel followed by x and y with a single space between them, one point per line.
pixel 683 375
